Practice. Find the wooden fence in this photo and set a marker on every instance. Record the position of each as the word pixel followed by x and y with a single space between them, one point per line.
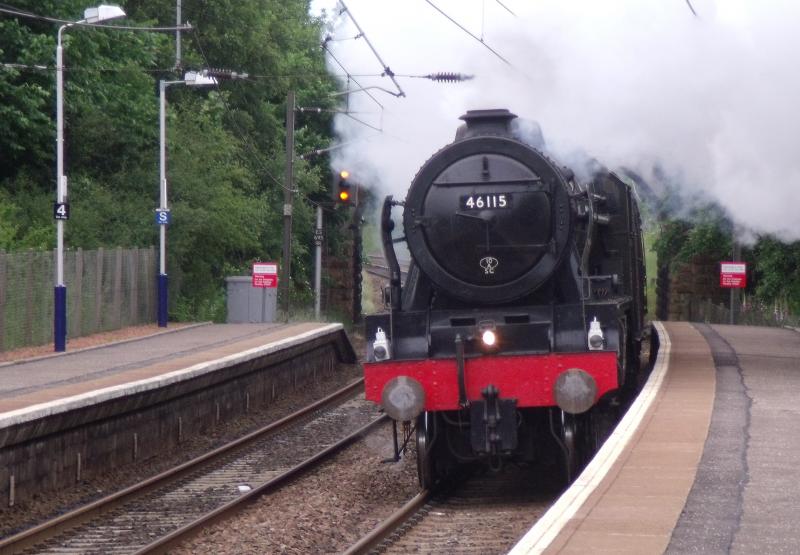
pixel 716 313
pixel 106 289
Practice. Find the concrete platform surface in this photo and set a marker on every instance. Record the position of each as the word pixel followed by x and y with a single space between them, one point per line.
pixel 710 464
pixel 746 498
pixel 44 383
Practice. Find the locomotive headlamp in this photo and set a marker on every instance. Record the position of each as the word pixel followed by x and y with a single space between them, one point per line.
pixel 403 398
pixel 380 347
pixel 489 338
pixel 488 334
pixel 595 339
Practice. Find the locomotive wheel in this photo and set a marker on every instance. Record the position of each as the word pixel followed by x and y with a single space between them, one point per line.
pixel 426 465
pixel 622 354
pixel 572 445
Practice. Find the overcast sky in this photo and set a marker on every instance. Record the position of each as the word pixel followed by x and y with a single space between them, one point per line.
pixel 712 99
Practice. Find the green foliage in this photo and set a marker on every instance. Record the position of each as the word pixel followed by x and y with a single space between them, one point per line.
pixel 708 233
pixel 225 145
pixel 25 98
pixel 777 270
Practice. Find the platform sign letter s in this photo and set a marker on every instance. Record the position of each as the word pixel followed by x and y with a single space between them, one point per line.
pixel 163 217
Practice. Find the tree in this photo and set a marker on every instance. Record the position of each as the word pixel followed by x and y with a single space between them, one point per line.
pixel 777 270
pixel 225 146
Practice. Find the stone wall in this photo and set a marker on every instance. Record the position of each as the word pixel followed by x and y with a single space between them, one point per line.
pixel 342 287
pixel 681 290
pixel 60 450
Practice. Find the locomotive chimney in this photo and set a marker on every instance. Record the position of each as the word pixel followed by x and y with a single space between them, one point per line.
pixel 485 122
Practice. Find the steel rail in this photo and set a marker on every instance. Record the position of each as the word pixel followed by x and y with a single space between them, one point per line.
pixel 382 271
pixel 388 526
pixel 46 530
pixel 171 540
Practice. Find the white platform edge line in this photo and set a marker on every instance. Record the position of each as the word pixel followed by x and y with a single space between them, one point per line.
pixel 58 406
pixel 549 526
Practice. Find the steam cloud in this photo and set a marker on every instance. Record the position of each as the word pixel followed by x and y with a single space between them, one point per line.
pixel 712 101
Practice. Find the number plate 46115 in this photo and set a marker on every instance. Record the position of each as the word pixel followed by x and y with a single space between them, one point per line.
pixel 486 201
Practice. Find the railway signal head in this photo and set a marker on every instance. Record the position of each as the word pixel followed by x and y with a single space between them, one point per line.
pixel 344 188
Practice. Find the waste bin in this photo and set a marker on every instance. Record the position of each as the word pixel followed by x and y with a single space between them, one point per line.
pixel 248 304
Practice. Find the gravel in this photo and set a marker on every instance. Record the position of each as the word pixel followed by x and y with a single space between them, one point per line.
pixel 42 507
pixel 325 511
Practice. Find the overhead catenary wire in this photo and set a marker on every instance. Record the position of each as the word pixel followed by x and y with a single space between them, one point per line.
pixel 244 138
pixel 506 8
pixel 251 78
pixel 386 69
pixel 241 132
pixel 349 75
pixel 10 65
pixel 68 69
pixel 31 15
pixel 467 31
pixel 329 38
pixel 242 135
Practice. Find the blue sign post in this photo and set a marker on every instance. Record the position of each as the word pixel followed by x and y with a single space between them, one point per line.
pixel 163 219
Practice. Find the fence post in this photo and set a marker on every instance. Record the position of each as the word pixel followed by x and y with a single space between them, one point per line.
pixel 133 276
pixel 150 274
pixel 28 326
pixel 77 289
pixel 2 301
pixel 118 288
pixel 98 290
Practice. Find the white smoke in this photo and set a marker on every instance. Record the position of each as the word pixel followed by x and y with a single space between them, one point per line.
pixel 711 100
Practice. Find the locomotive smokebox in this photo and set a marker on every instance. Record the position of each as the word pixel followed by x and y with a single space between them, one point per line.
pixel 488 218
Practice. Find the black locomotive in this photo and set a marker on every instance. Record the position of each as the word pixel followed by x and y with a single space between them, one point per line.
pixel 521 317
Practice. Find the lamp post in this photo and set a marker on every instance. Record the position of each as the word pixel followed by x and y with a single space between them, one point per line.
pixel 61 210
pixel 191 79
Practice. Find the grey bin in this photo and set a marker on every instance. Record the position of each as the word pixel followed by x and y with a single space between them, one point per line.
pixel 248 304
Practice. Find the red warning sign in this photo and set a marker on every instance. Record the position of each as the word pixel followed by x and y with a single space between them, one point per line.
pixel 265 274
pixel 733 275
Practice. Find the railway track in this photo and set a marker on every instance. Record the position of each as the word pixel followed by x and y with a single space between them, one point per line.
pixel 483 514
pixel 156 514
pixel 376 265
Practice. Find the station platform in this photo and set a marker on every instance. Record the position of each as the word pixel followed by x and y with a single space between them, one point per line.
pixel 63 415
pixel 705 460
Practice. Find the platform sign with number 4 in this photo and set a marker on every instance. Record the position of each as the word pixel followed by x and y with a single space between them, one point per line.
pixel 61 210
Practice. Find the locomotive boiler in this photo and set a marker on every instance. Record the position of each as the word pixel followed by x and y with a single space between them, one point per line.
pixel 520 321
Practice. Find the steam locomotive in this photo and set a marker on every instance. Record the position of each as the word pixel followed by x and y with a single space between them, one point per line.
pixel 520 320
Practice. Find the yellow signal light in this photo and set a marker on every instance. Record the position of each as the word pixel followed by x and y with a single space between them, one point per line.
pixel 344 174
pixel 344 196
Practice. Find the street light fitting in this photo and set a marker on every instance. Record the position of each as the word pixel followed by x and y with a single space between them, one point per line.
pixel 190 79
pixel 103 12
